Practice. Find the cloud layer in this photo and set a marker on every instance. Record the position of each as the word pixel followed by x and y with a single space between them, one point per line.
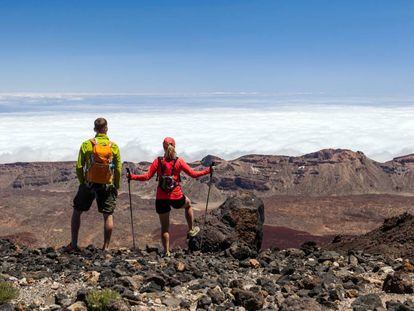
pixel 228 127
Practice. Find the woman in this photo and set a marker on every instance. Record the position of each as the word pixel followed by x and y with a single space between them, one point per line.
pixel 169 192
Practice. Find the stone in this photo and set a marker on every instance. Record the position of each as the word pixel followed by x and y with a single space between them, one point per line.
pixel 216 294
pixel 367 302
pixel 81 294
pixel 300 304
pixel 204 301
pixel 170 302
pixel 92 277
pixel 6 307
pixel 129 282
pixel 238 220
pixel 248 299
pixel 254 263
pixel 309 247
pixel 394 305
pixel 329 256
pixel 78 306
pixel 118 305
pixel 399 282
pixel 180 266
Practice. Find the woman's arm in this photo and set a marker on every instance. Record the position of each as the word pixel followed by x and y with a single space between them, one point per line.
pixel 192 173
pixel 148 175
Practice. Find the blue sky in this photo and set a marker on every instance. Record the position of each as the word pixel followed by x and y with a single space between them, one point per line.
pixel 331 46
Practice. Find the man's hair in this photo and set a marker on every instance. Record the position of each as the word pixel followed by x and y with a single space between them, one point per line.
pixel 101 125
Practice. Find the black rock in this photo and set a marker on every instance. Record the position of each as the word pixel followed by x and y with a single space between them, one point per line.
pixel 7 307
pixel 293 304
pixel 399 282
pixel 248 299
pixel 216 295
pixel 394 305
pixel 81 294
pixel 204 301
pixel 309 247
pixel 367 302
pixel 239 219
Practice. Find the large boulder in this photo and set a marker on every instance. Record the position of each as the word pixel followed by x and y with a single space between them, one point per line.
pixel 399 282
pixel 236 225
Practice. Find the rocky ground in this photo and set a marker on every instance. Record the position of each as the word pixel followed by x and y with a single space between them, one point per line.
pixel 292 279
pixel 224 269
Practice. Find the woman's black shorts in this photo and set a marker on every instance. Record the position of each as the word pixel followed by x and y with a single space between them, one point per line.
pixel 164 206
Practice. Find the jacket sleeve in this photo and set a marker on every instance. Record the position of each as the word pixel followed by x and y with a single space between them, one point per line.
pixel 192 173
pixel 117 166
pixel 80 165
pixel 149 174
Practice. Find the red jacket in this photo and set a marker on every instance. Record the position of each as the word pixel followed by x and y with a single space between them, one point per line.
pixel 180 165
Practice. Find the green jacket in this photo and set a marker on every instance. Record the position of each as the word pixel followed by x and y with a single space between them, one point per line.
pixel 85 153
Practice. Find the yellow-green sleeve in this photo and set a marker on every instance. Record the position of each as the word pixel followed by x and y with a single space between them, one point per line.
pixel 117 166
pixel 80 164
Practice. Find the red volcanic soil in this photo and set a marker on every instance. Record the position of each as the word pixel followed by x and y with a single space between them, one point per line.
pixel 22 238
pixel 280 237
pixel 283 237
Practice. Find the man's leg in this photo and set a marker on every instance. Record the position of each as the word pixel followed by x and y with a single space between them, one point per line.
pixel 165 226
pixel 75 225
pixel 81 203
pixel 108 226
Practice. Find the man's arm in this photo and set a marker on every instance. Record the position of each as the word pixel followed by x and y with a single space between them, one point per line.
pixel 80 164
pixel 117 166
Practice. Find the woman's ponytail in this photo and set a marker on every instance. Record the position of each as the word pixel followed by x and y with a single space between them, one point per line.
pixel 170 152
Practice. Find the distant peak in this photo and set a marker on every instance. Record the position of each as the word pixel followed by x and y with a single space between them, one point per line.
pixel 338 155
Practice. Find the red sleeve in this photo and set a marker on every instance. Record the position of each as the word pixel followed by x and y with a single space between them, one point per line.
pixel 192 173
pixel 148 175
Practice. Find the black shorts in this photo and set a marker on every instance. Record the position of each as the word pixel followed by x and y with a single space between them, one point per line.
pixel 164 206
pixel 105 196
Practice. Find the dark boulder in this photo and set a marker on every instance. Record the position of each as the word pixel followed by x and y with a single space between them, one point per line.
pixel 299 304
pixel 237 223
pixel 399 282
pixel 367 302
pixel 248 299
pixel 394 305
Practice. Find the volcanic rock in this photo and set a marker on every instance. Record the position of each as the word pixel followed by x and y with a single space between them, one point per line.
pixel 367 302
pixel 399 282
pixel 395 238
pixel 236 224
pixel 248 299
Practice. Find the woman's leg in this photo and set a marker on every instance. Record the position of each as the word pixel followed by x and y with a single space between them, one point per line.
pixel 165 226
pixel 189 215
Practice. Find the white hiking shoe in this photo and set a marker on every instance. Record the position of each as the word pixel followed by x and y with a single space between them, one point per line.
pixel 193 232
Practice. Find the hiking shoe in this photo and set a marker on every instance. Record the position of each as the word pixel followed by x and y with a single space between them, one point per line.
pixel 71 249
pixel 166 255
pixel 193 232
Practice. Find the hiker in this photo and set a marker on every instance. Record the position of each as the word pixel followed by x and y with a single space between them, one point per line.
pixel 99 172
pixel 169 192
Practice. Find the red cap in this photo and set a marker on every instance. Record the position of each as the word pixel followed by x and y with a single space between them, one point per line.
pixel 169 141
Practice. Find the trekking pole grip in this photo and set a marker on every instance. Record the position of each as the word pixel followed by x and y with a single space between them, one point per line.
pixel 211 168
pixel 128 174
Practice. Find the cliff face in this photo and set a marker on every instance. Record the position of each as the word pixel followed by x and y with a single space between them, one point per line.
pixel 326 172
pixel 328 192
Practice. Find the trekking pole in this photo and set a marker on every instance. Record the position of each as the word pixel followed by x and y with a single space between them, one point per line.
pixel 130 206
pixel 208 197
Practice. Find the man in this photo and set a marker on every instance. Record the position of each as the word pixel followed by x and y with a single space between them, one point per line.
pixel 99 171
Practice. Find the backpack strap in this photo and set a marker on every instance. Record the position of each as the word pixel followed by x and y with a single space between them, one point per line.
pixel 173 167
pixel 160 170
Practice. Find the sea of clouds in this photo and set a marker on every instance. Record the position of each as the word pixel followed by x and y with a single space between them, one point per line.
pixel 51 127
